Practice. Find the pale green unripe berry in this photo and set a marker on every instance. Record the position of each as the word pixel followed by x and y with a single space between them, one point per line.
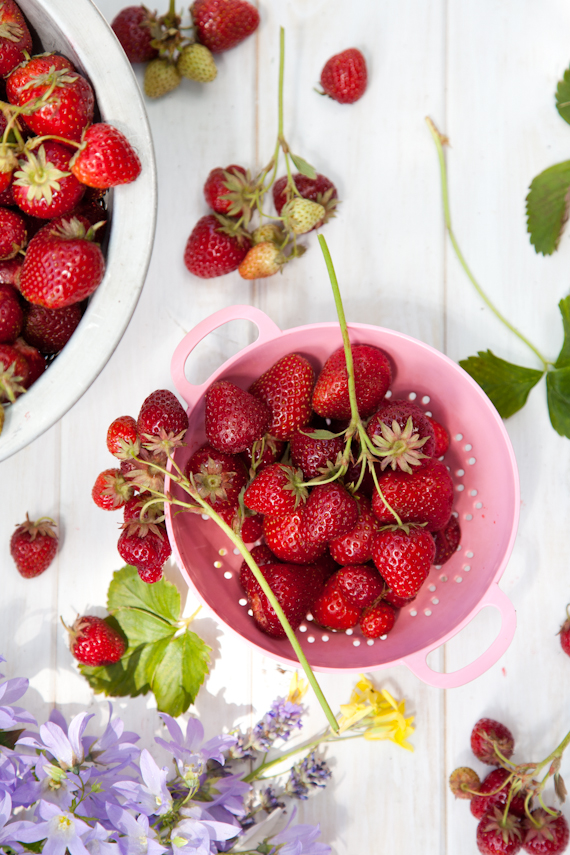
pixel 160 77
pixel 197 63
pixel 302 215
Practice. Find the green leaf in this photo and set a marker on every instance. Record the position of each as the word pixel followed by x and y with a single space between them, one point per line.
pixel 563 360
pixel 181 673
pixel 563 96
pixel 143 628
pixel 507 385
pixel 321 433
pixel 547 207
pixel 127 590
pixel 304 167
pixel 558 397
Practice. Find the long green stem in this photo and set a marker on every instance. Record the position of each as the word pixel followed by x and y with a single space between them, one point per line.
pixel 257 773
pixel 439 140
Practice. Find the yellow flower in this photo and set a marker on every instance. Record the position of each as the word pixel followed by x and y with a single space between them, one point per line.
pixel 297 689
pixel 376 714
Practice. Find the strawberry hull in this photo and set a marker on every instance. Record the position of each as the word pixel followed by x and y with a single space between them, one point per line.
pixel 486 499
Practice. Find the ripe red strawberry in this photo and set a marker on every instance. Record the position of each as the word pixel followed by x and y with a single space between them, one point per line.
pixel 545 834
pixel 295 589
pixel 446 541
pixel 355 547
pixel 332 610
pixel 330 511
pixel 105 158
pixel 372 377
pixel 276 490
pixel 402 559
pixel 344 76
pixel 283 538
pixel 132 28
pixel 14 371
pixel 252 528
pixel 223 24
pixel 216 246
pixel 110 490
pixel 62 265
pixel 311 454
pixel 360 584
pixel 11 315
pixel 65 99
pixel 36 362
pixel 261 555
pixel 394 600
pixel 426 496
pixel 15 37
pixel 485 734
pixel 150 574
pixel 499 835
pixel 441 437
pixel 219 477
pixel 93 641
pixel 161 411
pixel 287 388
pixel 377 620
pixel 33 546
pixel 565 634
pixel 50 329
pixel 10 271
pixel 144 546
pixel 496 785
pixel 13 233
pixel 43 185
pixel 234 418
pixel 403 435
pixel 224 191
pixel 122 438
pixel 319 189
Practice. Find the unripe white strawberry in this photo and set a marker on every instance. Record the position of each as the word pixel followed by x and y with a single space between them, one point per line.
pixel 160 77
pixel 197 63
pixel 264 259
pixel 302 215
pixel 268 231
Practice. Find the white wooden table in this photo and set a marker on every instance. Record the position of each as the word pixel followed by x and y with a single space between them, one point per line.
pixel 486 73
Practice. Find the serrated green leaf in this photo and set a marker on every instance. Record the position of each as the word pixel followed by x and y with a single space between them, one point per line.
pixel 507 385
pixel 132 675
pixel 563 360
pixel 141 627
pixel 558 397
pixel 127 590
pixel 180 674
pixel 304 167
pixel 563 96
pixel 547 207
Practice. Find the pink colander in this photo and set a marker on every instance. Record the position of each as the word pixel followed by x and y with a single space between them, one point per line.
pixel 484 472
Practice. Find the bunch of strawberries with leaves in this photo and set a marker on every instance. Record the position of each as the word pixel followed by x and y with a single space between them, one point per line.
pixel 55 165
pixel 173 50
pixel 504 802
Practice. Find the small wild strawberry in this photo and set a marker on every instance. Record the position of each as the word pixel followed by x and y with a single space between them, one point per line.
pixel 344 76
pixel 33 546
pixel 488 733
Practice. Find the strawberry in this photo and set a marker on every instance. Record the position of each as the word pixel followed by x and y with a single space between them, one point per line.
pixel 286 388
pixel 197 63
pixel 223 190
pixel 122 438
pixel 93 641
pixel 394 600
pixel 494 792
pixel 36 362
pixel 150 574
pixel 11 315
pixel 485 735
pixel 223 24
pixel 360 584
pixel 268 232
pixel 219 477
pixel 332 610
pixel 372 378
pixel 344 76
pixel 33 546
pixel 234 418
pixel 545 834
pixel 283 538
pixel 262 260
pixel 330 511
pixel 462 780
pixel 276 490
pixel 15 37
pixel 50 329
pixel 63 265
pixel 426 496
pixel 402 434
pixel 319 189
pixel 144 546
pixel 132 26
pixel 65 100
pixel 251 528
pixel 441 437
pixel 10 271
pixel 499 835
pixel 216 246
pixel 355 547
pixel 565 634
pixel 313 455
pixel 14 371
pixel 161 411
pixel 13 233
pixel 261 555
pixel 110 490
pixel 446 541
pixel 264 453
pixel 43 185
pixel 377 620
pixel 295 589
pixel 105 158
pixel 160 77
pixel 403 559
pixel 301 215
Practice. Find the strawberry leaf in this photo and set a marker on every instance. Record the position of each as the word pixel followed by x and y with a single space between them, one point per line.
pixel 181 673
pixel 547 207
pixel 304 167
pixel 563 360
pixel 558 397
pixel 563 96
pixel 142 627
pixel 127 590
pixel 507 385
pixel 131 675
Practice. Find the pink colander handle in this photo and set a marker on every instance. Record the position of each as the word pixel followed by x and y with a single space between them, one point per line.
pixel 494 597
pixel 192 392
